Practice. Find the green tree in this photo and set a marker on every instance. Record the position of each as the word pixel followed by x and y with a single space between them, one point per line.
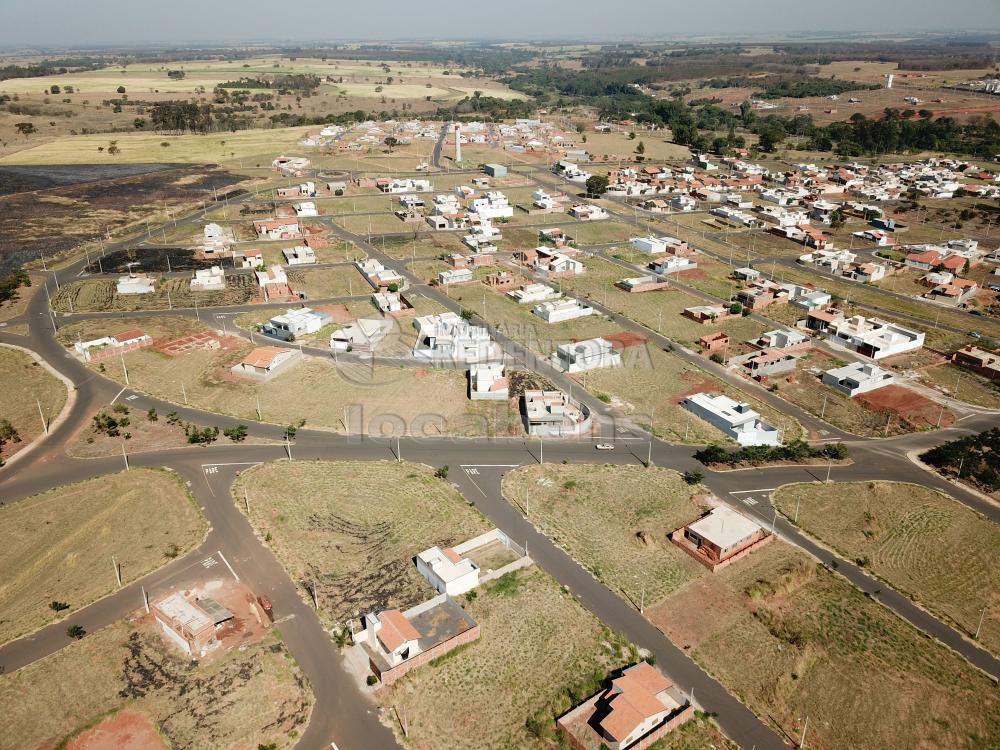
pixel 76 631
pixel 641 148
pixel 25 128
pixel 391 141
pixel 597 184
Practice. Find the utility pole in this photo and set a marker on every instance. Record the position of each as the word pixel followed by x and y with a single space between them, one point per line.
pixel 45 425
pixel 822 412
pixel 184 394
pixel 246 501
pixel 125 456
pixel 145 598
pixel 124 369
pixel 805 726
pixel 828 470
pixel 797 501
pixel 118 571
pixel 541 451
pixel 982 615
pixel 257 394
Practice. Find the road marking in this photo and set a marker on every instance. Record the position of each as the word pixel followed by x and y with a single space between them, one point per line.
pixel 235 463
pixel 228 565
pixel 116 396
pixel 749 501
pixel 747 492
pixel 488 466
pixel 209 562
pixel 472 471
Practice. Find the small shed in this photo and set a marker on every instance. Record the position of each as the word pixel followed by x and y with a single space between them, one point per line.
pixel 495 170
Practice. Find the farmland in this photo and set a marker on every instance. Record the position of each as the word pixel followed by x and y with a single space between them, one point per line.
pixel 255 694
pixel 792 639
pixel 916 539
pixel 351 528
pixel 614 520
pixel 29 393
pixel 59 543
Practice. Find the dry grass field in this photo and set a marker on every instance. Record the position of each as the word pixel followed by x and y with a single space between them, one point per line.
pixel 963 384
pixel 537 644
pixel 614 520
pixel 252 695
pixel 58 545
pixel 918 540
pixel 792 639
pixel 28 388
pixel 352 528
pixel 651 382
pixel 102 296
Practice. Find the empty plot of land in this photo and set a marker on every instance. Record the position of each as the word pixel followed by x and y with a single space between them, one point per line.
pixel 352 528
pixel 651 383
pixel 100 295
pixel 251 695
pixel 58 545
pixel 792 639
pixel 29 394
pixel 920 541
pixel 538 645
pixel 614 520
pixel 963 384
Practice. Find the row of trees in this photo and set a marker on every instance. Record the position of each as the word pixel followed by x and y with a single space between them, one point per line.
pixel 976 457
pixel 794 450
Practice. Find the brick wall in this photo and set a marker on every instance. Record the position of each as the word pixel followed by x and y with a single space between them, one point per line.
pixel 390 676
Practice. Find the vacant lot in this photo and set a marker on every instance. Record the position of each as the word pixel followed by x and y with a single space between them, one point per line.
pixel 352 528
pixel 963 384
pixel 251 695
pixel 29 392
pixel 920 541
pixel 614 520
pixel 58 545
pixel 852 414
pixel 101 295
pixel 537 646
pixel 792 639
pixel 652 382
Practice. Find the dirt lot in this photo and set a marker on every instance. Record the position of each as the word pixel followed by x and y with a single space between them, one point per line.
pixel 74 205
pixel 28 388
pixel 867 414
pixel 102 296
pixel 352 528
pixel 614 520
pixel 919 540
pixel 249 696
pixel 59 543
pixel 522 668
pixel 793 640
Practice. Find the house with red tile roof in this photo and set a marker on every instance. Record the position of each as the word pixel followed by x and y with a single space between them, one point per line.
pixel 639 708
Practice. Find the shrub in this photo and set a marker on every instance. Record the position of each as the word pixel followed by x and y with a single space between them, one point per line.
pixel 76 631
pixel 237 434
pixel 442 472
pixel 694 476
pixel 57 606
pixel 371 680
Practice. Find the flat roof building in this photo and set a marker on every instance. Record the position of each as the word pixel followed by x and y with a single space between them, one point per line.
pixel 737 419
pixel 720 537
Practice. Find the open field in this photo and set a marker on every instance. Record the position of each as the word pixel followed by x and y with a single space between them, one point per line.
pixel 252 695
pixel 58 545
pixel 652 382
pixel 618 146
pixel 659 311
pixel 352 528
pixel 792 639
pixel 918 540
pixel 854 415
pixel 100 295
pixel 537 645
pixel 963 384
pixel 252 147
pixel 29 392
pixel 614 520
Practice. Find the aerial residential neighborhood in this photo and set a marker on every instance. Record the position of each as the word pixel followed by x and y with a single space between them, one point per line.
pixel 606 378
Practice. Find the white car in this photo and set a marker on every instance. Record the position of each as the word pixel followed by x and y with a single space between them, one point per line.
pixel 605 447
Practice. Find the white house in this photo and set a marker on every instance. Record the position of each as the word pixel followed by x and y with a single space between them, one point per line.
pixel 588 212
pixel 305 209
pixel 265 361
pixel 530 293
pixel 208 280
pixel 362 335
pixel 873 337
pixel 455 276
pixel 135 283
pixel 554 414
pixel 378 275
pixel 249 259
pixel 736 419
pixel 391 636
pixel 672 264
pixel 124 341
pixel 447 571
pixel 300 255
pixel 858 377
pixel 586 355
pixel 277 229
pixel 559 310
pixel 273 275
pixel 493 205
pixel 541 199
pixel 295 322
pixel 650 244
pixel 487 382
pixel 683 202
pixel 447 338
